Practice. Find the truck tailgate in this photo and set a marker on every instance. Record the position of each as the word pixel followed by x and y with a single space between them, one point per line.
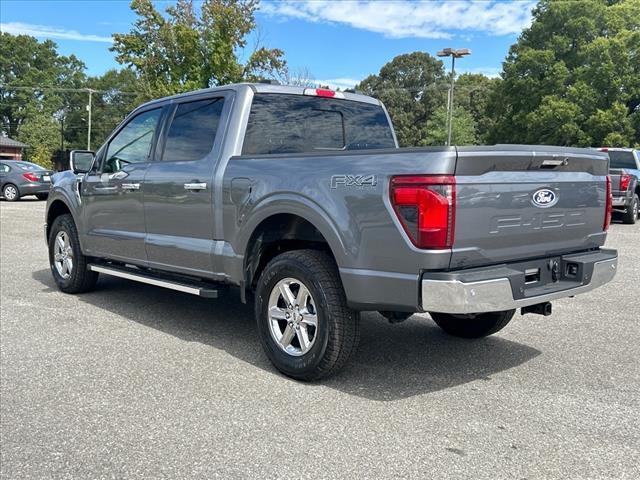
pixel 516 202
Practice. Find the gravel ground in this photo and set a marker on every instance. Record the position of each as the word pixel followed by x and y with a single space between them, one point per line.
pixel 134 381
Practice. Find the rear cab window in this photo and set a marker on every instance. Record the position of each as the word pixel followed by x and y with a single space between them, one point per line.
pixel 286 123
pixel 621 159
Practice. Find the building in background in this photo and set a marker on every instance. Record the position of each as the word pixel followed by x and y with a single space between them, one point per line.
pixel 11 149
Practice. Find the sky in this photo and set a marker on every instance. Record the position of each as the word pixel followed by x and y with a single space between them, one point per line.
pixel 338 42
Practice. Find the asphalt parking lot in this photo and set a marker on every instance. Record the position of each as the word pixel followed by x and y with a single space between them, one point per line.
pixel 136 381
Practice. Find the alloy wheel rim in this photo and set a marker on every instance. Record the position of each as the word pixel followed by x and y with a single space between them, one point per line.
pixel 63 255
pixel 10 193
pixel 293 318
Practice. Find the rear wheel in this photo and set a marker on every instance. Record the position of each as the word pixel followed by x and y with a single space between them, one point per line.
pixel 475 325
pixel 631 214
pixel 11 193
pixel 305 326
pixel 68 264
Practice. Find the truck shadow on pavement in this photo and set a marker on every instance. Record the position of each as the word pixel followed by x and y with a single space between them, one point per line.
pixel 393 361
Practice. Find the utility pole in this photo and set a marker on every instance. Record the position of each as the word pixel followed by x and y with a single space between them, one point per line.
pixel 453 53
pixel 89 119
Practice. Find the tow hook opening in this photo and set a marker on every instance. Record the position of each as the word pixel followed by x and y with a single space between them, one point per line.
pixel 538 309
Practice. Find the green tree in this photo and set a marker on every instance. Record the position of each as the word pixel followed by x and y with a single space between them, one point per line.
pixel 412 86
pixel 26 63
pixel 188 49
pixel 472 93
pixel 41 132
pixel 573 77
pixel 115 95
pixel 463 129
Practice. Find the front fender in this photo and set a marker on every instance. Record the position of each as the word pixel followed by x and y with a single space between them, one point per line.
pixel 64 189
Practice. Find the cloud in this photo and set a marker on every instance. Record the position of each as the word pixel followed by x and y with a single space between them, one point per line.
pixel 491 72
pixel 341 83
pixel 45 31
pixel 405 18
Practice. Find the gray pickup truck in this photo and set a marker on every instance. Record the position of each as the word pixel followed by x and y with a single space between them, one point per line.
pixel 624 171
pixel 300 199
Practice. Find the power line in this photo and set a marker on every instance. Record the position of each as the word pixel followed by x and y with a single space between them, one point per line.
pixel 64 89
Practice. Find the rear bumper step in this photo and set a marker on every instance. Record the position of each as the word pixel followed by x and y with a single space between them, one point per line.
pixel 150 279
pixel 493 289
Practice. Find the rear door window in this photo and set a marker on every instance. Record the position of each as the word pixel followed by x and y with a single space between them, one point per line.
pixel 193 130
pixel 284 123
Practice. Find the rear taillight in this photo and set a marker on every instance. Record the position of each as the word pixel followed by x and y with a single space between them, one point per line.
pixel 609 205
pixel 625 180
pixel 31 177
pixel 426 208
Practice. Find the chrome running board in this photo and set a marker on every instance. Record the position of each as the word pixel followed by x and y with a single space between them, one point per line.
pixel 195 288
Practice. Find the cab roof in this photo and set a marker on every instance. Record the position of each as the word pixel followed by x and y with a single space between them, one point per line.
pixel 264 88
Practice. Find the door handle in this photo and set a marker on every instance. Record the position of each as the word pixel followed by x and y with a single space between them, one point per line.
pixel 131 186
pixel 195 186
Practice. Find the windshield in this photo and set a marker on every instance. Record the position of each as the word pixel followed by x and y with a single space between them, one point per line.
pixel 621 159
pixel 32 167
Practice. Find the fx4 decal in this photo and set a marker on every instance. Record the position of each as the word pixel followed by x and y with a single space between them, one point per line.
pixel 357 181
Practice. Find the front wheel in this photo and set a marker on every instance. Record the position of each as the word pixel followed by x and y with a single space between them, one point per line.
pixel 476 325
pixel 68 264
pixel 305 326
pixel 631 214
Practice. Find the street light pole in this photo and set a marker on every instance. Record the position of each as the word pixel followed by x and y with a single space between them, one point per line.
pixel 453 53
pixel 89 121
pixel 453 75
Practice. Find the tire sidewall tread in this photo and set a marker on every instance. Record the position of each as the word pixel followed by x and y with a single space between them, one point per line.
pixel 338 325
pixel 81 279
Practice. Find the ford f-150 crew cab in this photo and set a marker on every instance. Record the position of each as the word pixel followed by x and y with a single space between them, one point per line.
pixel 301 199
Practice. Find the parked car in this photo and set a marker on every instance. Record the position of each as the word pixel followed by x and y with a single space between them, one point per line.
pixel 19 179
pixel 624 169
pixel 301 198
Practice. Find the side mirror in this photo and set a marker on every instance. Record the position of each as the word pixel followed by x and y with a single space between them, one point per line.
pixel 80 160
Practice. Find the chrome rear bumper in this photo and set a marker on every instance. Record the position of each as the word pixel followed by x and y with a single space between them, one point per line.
pixel 496 294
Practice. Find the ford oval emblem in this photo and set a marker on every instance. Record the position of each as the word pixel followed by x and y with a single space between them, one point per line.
pixel 544 198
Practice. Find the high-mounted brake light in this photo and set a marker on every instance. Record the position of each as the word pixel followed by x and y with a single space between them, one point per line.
pixel 625 180
pixel 30 176
pixel 609 206
pixel 426 208
pixel 323 92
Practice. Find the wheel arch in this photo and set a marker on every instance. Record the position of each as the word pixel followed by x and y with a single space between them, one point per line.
pixel 56 208
pixel 278 231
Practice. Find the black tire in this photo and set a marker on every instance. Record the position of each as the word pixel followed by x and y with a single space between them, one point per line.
pixel 8 196
pixel 631 214
pixel 42 196
pixel 80 279
pixel 338 327
pixel 472 326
